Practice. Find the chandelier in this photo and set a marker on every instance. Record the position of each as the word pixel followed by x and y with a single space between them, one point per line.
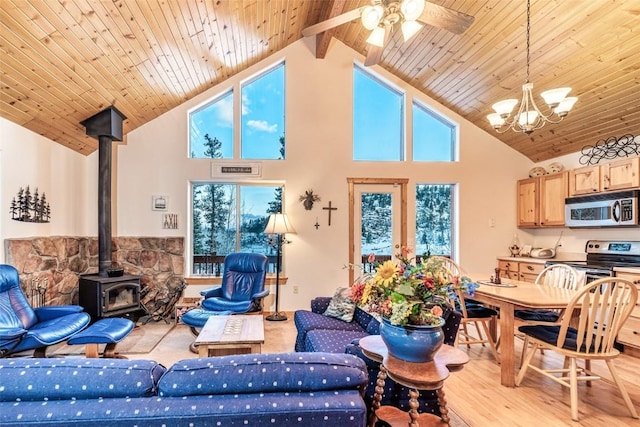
pixel 379 18
pixel 528 116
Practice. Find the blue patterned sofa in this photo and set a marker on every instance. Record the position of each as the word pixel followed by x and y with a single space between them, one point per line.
pixel 301 389
pixel 317 332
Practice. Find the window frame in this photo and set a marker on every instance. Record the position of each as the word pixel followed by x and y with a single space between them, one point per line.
pixel 455 140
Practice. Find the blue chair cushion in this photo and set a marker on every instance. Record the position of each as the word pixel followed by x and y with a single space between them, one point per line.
pixel 549 316
pixel 221 304
pixel 197 317
pixel 480 312
pixel 104 331
pixel 549 334
pixel 52 331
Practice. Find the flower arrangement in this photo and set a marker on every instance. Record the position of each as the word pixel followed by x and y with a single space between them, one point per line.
pixel 409 292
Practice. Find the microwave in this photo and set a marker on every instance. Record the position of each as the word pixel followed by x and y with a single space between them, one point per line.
pixel 619 209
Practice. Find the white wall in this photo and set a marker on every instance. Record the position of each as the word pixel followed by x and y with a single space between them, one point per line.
pixel 27 158
pixel 318 135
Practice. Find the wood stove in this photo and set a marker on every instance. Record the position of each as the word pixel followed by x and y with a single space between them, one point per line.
pixel 109 293
pixel 109 296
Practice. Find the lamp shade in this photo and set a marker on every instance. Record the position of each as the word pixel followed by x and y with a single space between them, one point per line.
pixel 279 224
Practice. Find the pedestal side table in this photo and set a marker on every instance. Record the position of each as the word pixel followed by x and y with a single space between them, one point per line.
pixel 415 376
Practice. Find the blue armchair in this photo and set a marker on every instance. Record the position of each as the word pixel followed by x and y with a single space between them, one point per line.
pixel 242 290
pixel 23 328
pixel 242 287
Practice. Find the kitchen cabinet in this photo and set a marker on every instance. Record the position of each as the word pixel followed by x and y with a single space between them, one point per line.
pixel 629 334
pixel 525 270
pixel 619 175
pixel 541 200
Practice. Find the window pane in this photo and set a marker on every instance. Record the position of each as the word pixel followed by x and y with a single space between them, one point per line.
pixel 433 219
pixel 256 203
pixel 211 129
pixel 376 230
pixel 263 116
pixel 378 114
pixel 214 219
pixel 433 137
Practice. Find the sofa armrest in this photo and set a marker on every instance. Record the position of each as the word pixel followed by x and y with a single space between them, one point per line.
pixel 212 292
pixel 11 333
pixel 55 311
pixel 319 304
pixel 260 294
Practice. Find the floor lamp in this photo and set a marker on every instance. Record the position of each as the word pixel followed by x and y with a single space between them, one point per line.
pixel 276 228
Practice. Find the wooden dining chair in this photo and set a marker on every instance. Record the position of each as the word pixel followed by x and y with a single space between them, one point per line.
pixel 558 276
pixel 472 314
pixel 598 311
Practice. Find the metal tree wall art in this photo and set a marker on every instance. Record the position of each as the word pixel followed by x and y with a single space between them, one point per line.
pixel 30 208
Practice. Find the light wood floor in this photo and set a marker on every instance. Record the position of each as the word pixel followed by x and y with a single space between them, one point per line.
pixel 475 393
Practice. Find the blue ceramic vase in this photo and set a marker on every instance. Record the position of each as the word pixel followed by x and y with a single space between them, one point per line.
pixel 412 343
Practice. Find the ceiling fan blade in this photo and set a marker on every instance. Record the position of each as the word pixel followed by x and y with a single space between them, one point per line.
pixel 445 18
pixel 332 22
pixel 374 54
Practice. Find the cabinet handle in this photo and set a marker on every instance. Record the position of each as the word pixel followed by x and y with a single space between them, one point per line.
pixel 529 267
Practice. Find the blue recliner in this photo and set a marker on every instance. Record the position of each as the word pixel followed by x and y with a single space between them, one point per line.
pixel 242 289
pixel 23 328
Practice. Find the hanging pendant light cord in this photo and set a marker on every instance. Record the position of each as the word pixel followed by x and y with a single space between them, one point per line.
pixel 528 31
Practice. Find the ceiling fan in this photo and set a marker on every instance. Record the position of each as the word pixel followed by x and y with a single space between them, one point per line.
pixel 382 16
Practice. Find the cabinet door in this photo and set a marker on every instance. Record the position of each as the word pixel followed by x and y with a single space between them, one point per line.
pixel 527 201
pixel 621 174
pixel 553 190
pixel 584 180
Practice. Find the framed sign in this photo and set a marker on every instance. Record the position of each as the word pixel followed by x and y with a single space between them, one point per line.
pixel 159 203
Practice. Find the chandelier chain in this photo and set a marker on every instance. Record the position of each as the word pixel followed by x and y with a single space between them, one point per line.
pixel 528 31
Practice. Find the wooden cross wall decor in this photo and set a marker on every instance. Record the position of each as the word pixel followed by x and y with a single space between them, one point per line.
pixel 329 208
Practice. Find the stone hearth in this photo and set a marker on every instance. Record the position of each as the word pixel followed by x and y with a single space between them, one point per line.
pixel 55 263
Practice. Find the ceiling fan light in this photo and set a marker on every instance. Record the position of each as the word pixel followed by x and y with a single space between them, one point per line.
pixel 504 107
pixel 495 120
pixel 565 106
pixel 554 96
pixel 410 28
pixel 376 37
pixel 412 9
pixel 371 16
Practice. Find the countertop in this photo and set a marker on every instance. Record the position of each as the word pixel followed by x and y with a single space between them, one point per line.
pixel 561 256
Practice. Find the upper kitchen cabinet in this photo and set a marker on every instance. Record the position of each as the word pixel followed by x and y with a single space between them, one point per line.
pixel 541 200
pixel 619 175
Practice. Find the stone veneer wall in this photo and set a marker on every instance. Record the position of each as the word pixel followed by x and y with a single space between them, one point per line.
pixel 57 262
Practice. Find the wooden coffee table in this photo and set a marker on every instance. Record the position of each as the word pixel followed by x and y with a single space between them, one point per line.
pixel 236 334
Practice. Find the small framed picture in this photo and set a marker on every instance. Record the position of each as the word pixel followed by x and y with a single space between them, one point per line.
pixel 526 250
pixel 170 221
pixel 159 203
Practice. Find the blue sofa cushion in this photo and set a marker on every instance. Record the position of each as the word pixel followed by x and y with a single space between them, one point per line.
pixel 257 373
pixel 306 321
pixel 331 341
pixel 72 378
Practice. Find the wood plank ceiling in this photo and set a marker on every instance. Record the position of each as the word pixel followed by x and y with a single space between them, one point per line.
pixel 63 61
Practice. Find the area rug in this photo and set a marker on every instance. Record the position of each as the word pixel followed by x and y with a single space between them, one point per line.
pixel 143 339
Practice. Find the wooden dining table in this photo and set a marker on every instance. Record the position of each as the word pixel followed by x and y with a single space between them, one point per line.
pixel 512 295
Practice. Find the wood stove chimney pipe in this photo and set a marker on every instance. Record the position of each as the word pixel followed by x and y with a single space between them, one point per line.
pixel 106 127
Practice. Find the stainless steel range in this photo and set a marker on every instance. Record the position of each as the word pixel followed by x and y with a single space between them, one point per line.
pixel 603 256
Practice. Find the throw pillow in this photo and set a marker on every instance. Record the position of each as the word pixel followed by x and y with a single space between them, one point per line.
pixel 341 306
